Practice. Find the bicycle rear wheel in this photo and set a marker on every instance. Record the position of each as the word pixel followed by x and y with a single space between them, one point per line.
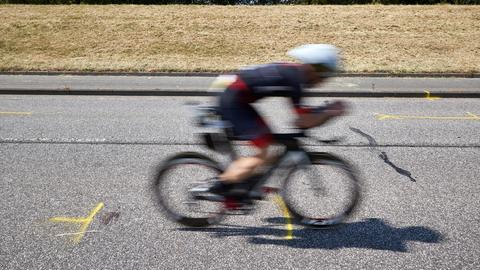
pixel 176 177
pixel 324 193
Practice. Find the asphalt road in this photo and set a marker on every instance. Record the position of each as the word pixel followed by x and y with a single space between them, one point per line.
pixel 61 156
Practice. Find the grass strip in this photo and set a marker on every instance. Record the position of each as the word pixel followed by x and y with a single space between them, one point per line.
pixel 373 38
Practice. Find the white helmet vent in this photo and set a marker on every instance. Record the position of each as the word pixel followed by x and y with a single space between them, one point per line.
pixel 324 54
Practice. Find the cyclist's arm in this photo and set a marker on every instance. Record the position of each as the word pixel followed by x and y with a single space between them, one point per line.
pixel 308 118
pixel 311 120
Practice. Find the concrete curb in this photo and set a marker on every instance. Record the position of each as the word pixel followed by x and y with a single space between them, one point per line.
pixel 207 93
pixel 213 74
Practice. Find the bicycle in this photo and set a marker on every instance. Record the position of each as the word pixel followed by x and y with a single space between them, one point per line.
pixel 294 160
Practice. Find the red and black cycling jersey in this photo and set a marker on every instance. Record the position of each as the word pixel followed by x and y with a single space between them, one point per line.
pixel 273 80
pixel 252 84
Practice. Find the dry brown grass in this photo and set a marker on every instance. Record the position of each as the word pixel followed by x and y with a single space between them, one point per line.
pixel 440 38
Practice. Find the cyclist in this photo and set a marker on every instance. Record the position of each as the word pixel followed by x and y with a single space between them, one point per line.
pixel 318 62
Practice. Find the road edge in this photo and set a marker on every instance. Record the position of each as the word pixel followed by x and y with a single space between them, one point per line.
pixel 208 93
pixel 213 74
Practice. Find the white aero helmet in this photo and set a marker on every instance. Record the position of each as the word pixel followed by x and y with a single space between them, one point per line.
pixel 323 57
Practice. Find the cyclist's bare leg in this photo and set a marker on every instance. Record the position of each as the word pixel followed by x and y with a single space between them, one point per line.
pixel 245 167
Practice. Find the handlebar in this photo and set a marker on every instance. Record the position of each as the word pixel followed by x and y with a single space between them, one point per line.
pixel 209 117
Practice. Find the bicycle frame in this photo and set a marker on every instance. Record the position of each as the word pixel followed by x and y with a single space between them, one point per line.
pixel 288 161
pixel 293 157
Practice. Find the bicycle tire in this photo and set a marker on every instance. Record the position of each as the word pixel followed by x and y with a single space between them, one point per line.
pixel 314 213
pixel 192 166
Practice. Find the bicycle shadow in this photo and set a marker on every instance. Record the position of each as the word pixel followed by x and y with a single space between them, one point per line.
pixel 372 233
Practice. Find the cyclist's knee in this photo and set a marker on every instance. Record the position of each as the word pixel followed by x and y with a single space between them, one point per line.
pixel 245 167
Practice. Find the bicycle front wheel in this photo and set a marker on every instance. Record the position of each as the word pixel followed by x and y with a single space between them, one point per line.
pixel 324 193
pixel 176 177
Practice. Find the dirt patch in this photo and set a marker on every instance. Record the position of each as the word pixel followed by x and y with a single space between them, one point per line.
pixel 373 38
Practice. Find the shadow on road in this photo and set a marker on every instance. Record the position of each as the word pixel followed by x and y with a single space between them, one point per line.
pixel 371 233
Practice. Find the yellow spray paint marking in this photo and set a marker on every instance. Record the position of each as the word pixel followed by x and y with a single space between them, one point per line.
pixel 283 207
pixel 430 97
pixel 15 113
pixel 470 116
pixel 85 222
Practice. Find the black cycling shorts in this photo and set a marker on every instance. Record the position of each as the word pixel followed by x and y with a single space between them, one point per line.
pixel 247 124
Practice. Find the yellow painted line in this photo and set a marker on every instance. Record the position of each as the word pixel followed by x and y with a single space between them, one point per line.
pixel 15 113
pixel 430 97
pixel 84 221
pixel 75 233
pixel 470 116
pixel 283 207
pixel 68 220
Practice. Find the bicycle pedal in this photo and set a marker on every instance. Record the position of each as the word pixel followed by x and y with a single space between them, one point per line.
pixel 237 203
pixel 241 210
pixel 209 197
pixel 254 195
